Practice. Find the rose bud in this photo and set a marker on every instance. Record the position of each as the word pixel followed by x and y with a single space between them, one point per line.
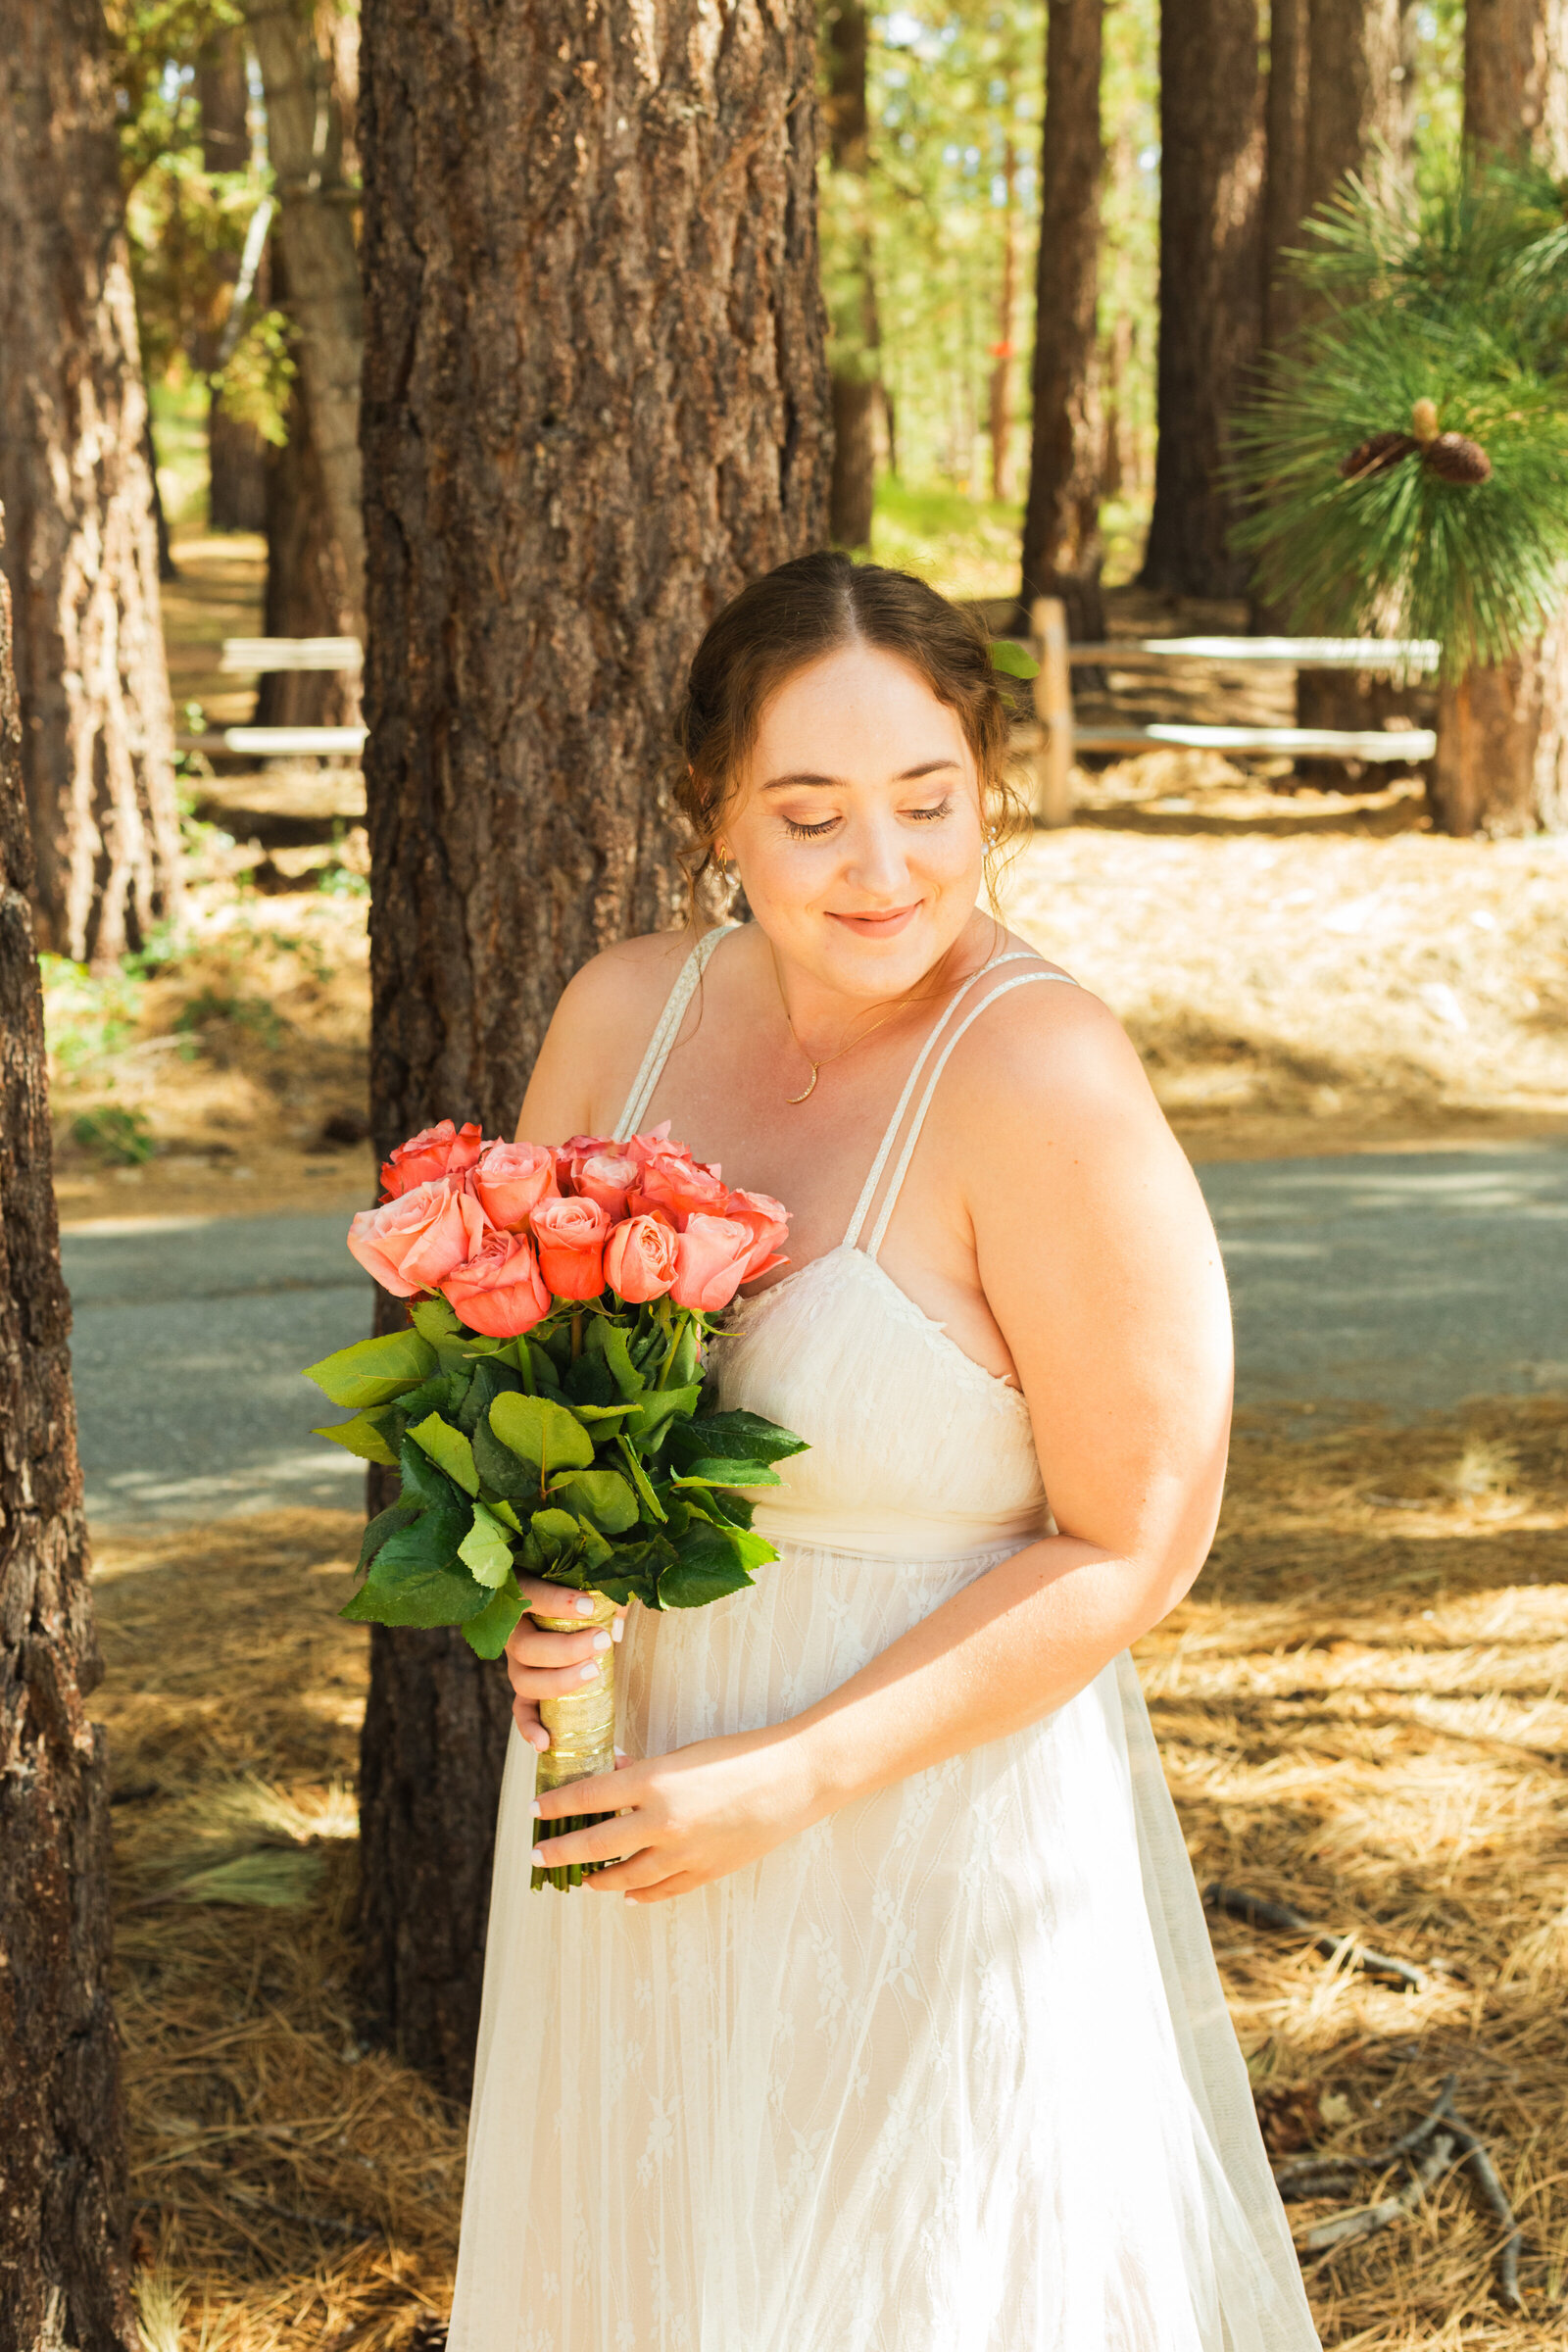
pixel 679 1189
pixel 500 1290
pixel 709 1262
pixel 511 1179
pixel 443 1151
pixel 412 1243
pixel 640 1260
pixel 570 1154
pixel 767 1221
pixel 571 1236
pixel 606 1177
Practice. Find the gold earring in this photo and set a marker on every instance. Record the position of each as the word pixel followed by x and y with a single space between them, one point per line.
pixel 723 855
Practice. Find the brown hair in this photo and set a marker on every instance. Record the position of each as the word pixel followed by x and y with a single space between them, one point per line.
pixel 793 616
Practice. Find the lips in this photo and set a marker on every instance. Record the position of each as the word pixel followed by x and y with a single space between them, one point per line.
pixel 878 925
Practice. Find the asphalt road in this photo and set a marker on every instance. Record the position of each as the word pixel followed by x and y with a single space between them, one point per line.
pixel 1409 1281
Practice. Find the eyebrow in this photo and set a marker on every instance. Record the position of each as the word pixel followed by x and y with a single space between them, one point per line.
pixel 910 776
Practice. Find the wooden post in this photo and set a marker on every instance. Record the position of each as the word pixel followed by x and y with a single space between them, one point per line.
pixel 1053 762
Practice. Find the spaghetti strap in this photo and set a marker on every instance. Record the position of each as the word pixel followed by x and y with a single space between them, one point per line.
pixel 851 1232
pixel 667 1030
pixel 901 1165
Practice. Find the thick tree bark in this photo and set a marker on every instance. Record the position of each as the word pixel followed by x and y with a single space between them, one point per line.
pixel 63 2255
pixel 596 403
pixel 1516 77
pixel 1063 549
pixel 82 553
pixel 1007 307
pixel 237 454
pixel 1285 200
pixel 315 235
pixel 1212 276
pixel 849 276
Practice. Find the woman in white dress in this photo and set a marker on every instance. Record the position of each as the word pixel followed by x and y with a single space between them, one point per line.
pixel 894 2027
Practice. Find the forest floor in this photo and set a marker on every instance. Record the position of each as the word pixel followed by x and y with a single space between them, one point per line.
pixel 1305 972
pixel 1387 1761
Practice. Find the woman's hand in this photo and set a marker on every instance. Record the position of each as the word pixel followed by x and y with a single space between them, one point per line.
pixel 541 1665
pixel 685 1818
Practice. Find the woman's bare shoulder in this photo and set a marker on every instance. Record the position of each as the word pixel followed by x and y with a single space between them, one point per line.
pixel 623 982
pixel 598 1033
pixel 1049 1056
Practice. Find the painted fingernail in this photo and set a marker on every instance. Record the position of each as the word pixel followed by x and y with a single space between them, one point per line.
pixel 621 1751
pixel 601 1641
pixel 536 1810
pixel 619 1626
pixel 587 1674
pixel 583 1606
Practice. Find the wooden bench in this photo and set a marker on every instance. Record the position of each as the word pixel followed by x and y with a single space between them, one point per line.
pixel 1057 738
pixel 253 654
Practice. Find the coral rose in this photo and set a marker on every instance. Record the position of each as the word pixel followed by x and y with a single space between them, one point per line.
pixel 640 1260
pixel 443 1151
pixel 768 1222
pixel 511 1179
pixel 500 1290
pixel 570 1155
pixel 679 1189
pixel 608 1177
pixel 412 1243
pixel 711 1257
pixel 571 1237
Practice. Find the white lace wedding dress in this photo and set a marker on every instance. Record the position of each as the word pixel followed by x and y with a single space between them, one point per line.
pixel 952 2072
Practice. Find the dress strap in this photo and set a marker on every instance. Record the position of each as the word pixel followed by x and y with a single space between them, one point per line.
pixel 901 1165
pixel 668 1029
pixel 868 1189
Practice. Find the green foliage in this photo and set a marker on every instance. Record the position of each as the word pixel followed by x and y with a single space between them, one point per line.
pixel 119 1138
pixel 373 1371
pixel 1441 296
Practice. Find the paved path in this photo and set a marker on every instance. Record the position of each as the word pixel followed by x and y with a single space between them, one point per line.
pixel 1406 1280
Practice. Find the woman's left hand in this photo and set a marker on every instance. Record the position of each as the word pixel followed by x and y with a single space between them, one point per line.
pixel 683 1818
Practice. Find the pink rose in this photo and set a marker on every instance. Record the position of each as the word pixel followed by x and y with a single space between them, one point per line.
pixel 510 1179
pixel 570 1155
pixel 608 1177
pixel 571 1237
pixel 656 1141
pixel 499 1291
pixel 711 1257
pixel 768 1222
pixel 640 1260
pixel 678 1187
pixel 412 1243
pixel 443 1151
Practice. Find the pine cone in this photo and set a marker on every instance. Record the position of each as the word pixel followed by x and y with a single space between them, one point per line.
pixel 1453 459
pixel 1376 455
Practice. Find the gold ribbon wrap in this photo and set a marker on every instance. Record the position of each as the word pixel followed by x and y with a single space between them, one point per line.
pixel 581 1723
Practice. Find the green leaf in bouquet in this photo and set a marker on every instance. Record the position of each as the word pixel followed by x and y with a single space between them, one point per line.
pixel 396 1515
pixel 429 1542
pixel 735 1509
pixel 488 1634
pixel 500 1469
pixel 543 1432
pixel 601 1496
pixel 425 1481
pixel 596 1551
pixel 450 1448
pixel 746 1435
pixel 443 1393
pixel 707 1568
pixel 543 1365
pixel 434 1320
pixel 609 1341
pixel 640 1478
pixel 505 1512
pixel 718 1472
pixel 635 1571
pixel 601 1414
pixel 686 1364
pixel 588 1382
pixel 397 1594
pixel 656 1408
pixel 490 1381
pixel 485 1550
pixel 559 1533
pixel 373 1371
pixel 362 1436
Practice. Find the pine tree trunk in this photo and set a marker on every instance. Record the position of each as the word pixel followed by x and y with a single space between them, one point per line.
pixel 237 454
pixel 1502 733
pixel 849 276
pixel 1063 549
pixel 315 237
pixel 63 2253
pixel 81 550
pixel 1007 306
pixel 1211 271
pixel 1285 198
pixel 596 403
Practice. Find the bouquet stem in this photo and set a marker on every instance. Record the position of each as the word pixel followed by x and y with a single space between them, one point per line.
pixel 582 1737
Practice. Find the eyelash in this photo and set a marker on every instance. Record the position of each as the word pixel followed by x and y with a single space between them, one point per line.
pixel 926 816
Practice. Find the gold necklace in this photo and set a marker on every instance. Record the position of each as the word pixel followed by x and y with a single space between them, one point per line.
pixel 817 1067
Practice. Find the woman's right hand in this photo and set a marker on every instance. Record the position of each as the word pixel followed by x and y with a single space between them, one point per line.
pixel 544 1665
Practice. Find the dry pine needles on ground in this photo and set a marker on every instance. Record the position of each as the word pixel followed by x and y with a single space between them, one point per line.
pixel 1362 1715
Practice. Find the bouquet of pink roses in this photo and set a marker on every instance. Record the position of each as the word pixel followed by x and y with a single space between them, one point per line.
pixel 543 1404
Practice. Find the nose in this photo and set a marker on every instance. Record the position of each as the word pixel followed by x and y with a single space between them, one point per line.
pixel 876 863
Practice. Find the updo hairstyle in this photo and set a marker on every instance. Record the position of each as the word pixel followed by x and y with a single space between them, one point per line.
pixel 792 617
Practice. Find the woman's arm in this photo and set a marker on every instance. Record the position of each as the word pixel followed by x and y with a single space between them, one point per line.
pixel 1100 1266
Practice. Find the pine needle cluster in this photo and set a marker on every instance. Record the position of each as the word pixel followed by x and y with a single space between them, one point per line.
pixel 1438 312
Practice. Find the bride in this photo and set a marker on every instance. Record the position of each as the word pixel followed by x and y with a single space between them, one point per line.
pixel 894 2027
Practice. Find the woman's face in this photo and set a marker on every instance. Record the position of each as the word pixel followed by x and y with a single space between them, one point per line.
pixel 856 828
